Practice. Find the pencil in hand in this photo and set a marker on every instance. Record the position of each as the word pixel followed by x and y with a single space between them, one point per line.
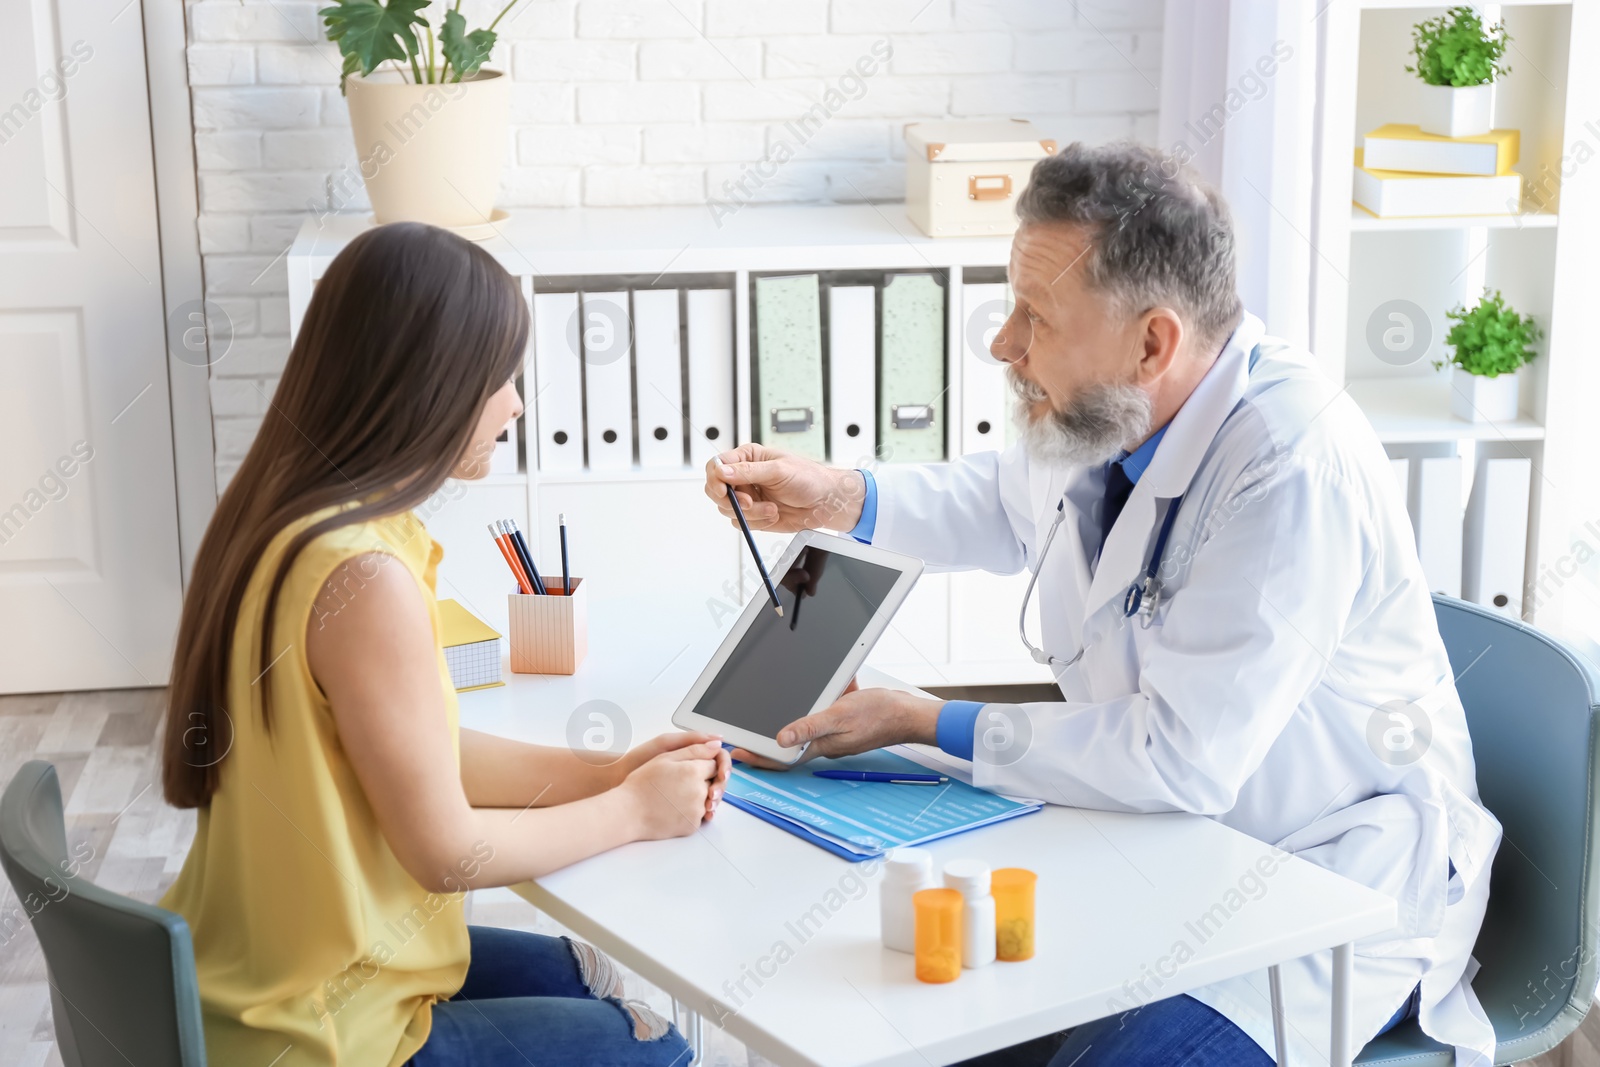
pixel 749 539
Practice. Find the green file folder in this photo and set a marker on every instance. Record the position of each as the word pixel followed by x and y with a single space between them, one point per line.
pixel 911 419
pixel 789 365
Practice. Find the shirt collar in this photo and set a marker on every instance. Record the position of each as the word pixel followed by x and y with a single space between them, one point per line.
pixel 1135 462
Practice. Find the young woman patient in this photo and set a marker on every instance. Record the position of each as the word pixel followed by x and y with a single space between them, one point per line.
pixel 311 719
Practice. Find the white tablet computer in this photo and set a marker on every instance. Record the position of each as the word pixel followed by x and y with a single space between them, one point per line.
pixel 838 596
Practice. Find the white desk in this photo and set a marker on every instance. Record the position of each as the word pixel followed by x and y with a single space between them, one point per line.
pixel 715 919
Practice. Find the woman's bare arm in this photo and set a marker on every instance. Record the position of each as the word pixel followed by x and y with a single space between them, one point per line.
pixel 497 772
pixel 374 657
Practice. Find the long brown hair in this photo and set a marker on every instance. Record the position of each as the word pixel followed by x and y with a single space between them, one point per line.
pixel 407 335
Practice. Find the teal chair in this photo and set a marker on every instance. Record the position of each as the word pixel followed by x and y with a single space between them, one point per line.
pixel 122 982
pixel 1531 705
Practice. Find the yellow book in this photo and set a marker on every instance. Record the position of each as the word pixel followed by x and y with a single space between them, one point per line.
pixel 471 648
pixel 1401 147
pixel 1410 194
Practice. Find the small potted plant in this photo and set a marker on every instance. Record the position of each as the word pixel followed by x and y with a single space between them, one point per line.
pixel 429 121
pixel 1458 59
pixel 1489 341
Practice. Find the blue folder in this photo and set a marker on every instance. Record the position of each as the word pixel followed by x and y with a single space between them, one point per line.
pixel 861 820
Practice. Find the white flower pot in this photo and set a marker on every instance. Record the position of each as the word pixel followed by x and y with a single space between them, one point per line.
pixel 1479 399
pixel 1456 112
pixel 431 153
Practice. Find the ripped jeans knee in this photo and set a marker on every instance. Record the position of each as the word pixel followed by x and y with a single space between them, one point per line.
pixel 603 978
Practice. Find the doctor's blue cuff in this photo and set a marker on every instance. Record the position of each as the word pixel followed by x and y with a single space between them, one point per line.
pixel 862 531
pixel 958 722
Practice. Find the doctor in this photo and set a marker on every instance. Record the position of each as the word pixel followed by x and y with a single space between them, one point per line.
pixel 1230 600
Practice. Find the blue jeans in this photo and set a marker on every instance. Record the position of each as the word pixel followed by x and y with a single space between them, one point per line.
pixel 1180 1032
pixel 536 1001
pixel 1177 1032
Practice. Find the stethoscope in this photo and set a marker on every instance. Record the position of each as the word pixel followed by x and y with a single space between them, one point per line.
pixel 1141 599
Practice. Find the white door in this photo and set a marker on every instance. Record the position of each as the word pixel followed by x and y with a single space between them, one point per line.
pixel 89 565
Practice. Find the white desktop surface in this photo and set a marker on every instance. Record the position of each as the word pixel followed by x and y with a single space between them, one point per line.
pixel 697 915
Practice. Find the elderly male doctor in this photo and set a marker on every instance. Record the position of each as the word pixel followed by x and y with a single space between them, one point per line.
pixel 1286 639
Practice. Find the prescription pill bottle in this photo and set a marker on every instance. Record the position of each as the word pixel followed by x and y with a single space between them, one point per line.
pixel 905 872
pixel 971 879
pixel 938 921
pixel 1013 890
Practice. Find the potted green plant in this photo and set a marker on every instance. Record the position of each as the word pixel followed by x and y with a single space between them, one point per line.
pixel 429 120
pixel 1458 59
pixel 1489 342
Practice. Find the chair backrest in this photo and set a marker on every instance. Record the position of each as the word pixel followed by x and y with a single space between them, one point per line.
pixel 1531 711
pixel 122 980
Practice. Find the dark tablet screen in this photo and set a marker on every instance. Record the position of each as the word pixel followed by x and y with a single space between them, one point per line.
pixel 780 666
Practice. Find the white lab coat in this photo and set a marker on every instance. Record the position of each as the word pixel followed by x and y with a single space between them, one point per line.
pixel 1294 606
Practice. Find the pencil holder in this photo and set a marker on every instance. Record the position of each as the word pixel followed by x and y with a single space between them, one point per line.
pixel 549 634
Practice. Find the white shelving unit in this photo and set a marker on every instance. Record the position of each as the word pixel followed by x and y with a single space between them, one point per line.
pixel 638 529
pixel 1362 221
pixel 1543 260
pixel 1416 410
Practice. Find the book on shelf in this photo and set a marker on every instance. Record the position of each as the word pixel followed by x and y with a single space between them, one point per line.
pixel 1410 194
pixel 1401 147
pixel 471 648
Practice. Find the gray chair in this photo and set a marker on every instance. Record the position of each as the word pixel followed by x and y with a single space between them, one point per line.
pixel 1531 705
pixel 122 981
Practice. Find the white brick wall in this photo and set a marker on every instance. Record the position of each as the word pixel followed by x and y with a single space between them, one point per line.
pixel 633 102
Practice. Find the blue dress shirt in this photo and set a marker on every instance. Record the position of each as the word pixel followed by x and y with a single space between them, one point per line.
pixel 862 530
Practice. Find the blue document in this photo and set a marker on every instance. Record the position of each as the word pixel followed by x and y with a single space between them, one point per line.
pixel 860 820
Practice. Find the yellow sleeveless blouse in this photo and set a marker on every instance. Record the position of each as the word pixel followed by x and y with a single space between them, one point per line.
pixel 312 944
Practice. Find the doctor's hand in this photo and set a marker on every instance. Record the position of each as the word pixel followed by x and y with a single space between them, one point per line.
pixel 859 721
pixel 784 493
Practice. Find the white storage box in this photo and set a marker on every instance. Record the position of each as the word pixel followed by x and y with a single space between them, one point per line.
pixel 963 178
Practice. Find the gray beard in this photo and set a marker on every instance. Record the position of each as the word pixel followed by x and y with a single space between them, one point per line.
pixel 1096 426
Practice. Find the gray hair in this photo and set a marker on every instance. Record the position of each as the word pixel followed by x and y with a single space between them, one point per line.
pixel 1158 234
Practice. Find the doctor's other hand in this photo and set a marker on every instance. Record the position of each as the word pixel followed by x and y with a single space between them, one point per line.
pixel 859 721
pixel 670 794
pixel 783 492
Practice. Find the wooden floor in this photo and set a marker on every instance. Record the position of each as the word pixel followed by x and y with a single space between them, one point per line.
pixel 103 748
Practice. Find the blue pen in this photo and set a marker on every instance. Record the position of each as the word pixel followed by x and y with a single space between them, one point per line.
pixel 892 777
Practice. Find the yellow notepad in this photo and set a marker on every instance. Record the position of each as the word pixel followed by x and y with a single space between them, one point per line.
pixel 471 648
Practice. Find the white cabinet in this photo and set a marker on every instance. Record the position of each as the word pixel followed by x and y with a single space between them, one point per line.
pixel 917 643
pixel 639 533
pixel 640 530
pixel 983 618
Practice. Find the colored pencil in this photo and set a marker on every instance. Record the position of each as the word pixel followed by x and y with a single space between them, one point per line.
pixel 527 556
pixel 511 561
